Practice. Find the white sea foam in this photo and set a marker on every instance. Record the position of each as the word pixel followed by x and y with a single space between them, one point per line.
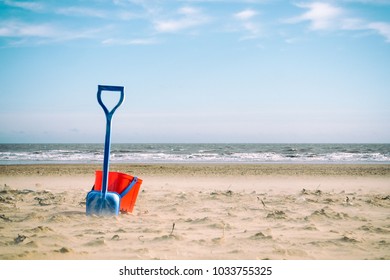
pixel 212 153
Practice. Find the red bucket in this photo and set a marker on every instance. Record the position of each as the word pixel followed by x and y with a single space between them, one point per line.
pixel 118 182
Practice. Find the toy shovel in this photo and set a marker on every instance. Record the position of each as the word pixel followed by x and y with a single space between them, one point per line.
pixel 104 202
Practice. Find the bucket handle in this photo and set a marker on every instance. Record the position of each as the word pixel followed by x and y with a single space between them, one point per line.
pixel 129 187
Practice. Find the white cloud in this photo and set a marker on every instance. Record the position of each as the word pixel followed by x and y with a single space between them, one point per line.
pixel 188 11
pixel 352 24
pixel 245 15
pixel 246 24
pixel 27 33
pixel 129 42
pixel 383 28
pixel 21 29
pixel 356 24
pixel 231 1
pixel 82 11
pixel 376 2
pixel 189 17
pixel 254 30
pixel 32 6
pixel 324 16
pixel 320 15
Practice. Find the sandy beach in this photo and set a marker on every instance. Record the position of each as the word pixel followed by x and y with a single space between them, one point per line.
pixel 200 211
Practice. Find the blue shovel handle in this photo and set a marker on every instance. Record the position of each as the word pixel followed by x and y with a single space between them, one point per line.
pixel 107 143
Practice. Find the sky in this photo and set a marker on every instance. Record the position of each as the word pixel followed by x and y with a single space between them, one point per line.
pixel 266 71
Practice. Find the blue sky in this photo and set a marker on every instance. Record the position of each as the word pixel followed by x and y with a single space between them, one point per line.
pixel 196 70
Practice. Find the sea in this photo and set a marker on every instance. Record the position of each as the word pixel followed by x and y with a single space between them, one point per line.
pixel 196 153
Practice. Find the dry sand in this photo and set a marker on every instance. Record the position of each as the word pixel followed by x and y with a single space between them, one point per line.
pixel 200 211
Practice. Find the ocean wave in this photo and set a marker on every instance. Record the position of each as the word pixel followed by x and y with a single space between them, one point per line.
pixel 211 153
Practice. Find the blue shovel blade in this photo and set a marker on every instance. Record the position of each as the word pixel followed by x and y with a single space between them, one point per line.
pixel 97 205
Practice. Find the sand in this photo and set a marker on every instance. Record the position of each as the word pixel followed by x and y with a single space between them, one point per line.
pixel 199 212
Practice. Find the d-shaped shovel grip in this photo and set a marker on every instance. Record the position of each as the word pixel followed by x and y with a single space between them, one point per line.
pixel 110 88
pixel 107 143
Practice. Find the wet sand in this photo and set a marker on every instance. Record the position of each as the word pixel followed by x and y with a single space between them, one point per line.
pixel 200 211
